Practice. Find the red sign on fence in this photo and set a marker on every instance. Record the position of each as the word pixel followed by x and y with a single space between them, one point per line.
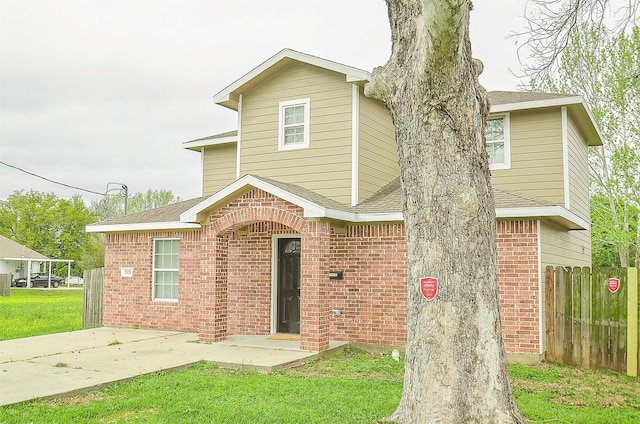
pixel 429 287
pixel 614 284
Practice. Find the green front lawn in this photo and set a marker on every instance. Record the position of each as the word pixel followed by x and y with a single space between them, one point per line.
pixel 353 387
pixel 33 312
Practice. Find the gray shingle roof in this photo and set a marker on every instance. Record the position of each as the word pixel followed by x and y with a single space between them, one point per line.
pixel 169 213
pixel 508 97
pixel 307 194
pixel 14 250
pixel 387 200
pixel 216 136
pixel 512 199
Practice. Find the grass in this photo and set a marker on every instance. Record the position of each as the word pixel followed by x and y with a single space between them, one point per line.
pixel 33 312
pixel 353 387
pixel 558 393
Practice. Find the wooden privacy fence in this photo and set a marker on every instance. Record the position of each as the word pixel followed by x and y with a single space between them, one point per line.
pixel 5 285
pixel 592 317
pixel 92 301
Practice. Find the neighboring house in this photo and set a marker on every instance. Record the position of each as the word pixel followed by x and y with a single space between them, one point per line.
pixel 300 226
pixel 18 260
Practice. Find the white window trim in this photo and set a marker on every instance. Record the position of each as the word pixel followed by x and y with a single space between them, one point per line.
pixel 281 107
pixel 154 269
pixel 507 142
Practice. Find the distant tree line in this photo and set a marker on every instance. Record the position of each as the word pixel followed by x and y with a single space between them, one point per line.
pixel 55 226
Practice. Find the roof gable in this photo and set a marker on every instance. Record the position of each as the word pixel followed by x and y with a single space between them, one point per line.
pixel 10 249
pixel 229 96
pixel 509 101
pixel 313 204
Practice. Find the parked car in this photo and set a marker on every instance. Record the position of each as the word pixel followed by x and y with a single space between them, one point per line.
pixel 39 280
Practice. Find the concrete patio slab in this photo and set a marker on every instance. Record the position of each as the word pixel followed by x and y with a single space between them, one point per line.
pixel 64 363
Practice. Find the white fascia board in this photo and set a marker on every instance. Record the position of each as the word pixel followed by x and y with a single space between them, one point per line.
pixel 210 142
pixel 352 74
pixel 356 217
pixel 592 119
pixel 365 217
pixel 559 101
pixel 311 210
pixel 34 259
pixel 191 215
pixel 544 212
pixel 141 226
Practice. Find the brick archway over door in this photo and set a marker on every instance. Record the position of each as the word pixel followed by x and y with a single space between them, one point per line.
pixel 259 206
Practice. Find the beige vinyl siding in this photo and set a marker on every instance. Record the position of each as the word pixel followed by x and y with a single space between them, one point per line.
pixel 536 156
pixel 325 166
pixel 578 172
pixel 378 160
pixel 218 167
pixel 562 247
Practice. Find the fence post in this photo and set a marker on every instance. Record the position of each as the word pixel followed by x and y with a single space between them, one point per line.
pixel 632 322
pixel 5 285
pixel 92 301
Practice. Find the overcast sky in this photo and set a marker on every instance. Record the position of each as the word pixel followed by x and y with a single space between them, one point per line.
pixel 94 92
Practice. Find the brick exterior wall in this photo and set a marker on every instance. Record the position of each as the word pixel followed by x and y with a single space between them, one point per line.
pixel 519 282
pixel 226 278
pixel 372 296
pixel 128 301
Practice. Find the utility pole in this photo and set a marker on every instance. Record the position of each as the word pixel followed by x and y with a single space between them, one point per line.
pixel 124 189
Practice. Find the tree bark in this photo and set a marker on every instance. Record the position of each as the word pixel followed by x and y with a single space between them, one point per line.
pixel 455 364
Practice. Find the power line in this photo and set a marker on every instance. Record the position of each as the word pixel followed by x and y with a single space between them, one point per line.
pixel 52 181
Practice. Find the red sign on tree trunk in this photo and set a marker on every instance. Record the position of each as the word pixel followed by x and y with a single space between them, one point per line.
pixel 429 287
pixel 614 284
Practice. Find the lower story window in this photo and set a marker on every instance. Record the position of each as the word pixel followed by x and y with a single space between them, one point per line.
pixel 166 259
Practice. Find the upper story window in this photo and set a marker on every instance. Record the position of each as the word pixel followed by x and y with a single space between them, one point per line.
pixel 498 142
pixel 293 131
pixel 166 260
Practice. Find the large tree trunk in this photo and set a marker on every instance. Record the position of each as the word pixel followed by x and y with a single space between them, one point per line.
pixel 455 368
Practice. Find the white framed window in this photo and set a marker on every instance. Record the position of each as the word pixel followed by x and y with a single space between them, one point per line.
pixel 166 265
pixel 293 131
pixel 498 141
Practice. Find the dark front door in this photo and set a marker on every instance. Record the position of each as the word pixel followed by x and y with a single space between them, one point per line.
pixel 289 285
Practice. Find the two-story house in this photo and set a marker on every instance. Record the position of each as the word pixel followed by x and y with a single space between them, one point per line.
pixel 300 226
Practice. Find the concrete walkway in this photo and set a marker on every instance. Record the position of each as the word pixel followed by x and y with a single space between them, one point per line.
pixel 71 362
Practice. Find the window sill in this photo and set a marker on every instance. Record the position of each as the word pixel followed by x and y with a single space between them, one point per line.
pixel 297 146
pixel 165 302
pixel 499 166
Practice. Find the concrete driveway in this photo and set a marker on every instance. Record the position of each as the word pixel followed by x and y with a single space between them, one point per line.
pixel 71 362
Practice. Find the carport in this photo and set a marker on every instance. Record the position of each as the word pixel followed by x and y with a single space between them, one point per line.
pixel 18 261
pixel 49 262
